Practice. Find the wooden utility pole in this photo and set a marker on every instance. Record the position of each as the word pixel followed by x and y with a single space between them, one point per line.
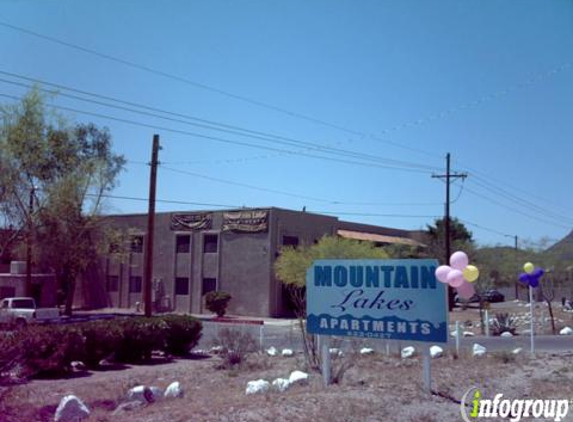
pixel 148 274
pixel 447 238
pixel 29 290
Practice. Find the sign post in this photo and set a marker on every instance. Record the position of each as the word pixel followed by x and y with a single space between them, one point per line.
pixel 377 299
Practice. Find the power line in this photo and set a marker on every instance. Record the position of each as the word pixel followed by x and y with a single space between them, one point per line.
pixel 435 116
pixel 165 201
pixel 248 144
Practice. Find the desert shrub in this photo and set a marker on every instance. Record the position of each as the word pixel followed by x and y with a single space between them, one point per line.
pixel 49 350
pixel 217 302
pixel 141 336
pixel 505 356
pixel 101 340
pixel 234 346
pixel 504 322
pixel 183 333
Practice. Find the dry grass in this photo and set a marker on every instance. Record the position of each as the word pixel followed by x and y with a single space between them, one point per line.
pixel 376 388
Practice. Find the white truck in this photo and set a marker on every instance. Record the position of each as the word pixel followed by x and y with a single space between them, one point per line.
pixel 20 311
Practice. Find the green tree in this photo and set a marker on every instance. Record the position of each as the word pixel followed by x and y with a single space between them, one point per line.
pixel 68 169
pixel 460 238
pixel 291 266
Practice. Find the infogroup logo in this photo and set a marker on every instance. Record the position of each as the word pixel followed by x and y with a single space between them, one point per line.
pixel 474 406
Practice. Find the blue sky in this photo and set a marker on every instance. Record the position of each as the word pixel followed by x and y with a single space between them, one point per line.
pixel 489 82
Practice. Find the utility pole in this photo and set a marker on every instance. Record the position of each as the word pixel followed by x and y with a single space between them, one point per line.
pixel 29 289
pixel 449 177
pixel 148 274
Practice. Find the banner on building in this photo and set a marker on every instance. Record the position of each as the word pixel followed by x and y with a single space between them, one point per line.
pixel 246 221
pixel 377 299
pixel 189 222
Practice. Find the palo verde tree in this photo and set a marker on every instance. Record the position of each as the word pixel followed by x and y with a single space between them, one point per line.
pixel 291 266
pixel 66 170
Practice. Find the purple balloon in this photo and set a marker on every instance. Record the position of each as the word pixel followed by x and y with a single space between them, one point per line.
pixel 534 282
pixel 537 273
pixel 524 278
pixel 459 260
pixel 466 290
pixel 442 273
pixel 455 278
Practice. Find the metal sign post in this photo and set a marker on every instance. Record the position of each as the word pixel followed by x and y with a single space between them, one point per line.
pixel 531 308
pixel 427 369
pixel 324 348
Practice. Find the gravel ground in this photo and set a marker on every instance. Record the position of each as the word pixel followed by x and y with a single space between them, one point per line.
pixel 376 388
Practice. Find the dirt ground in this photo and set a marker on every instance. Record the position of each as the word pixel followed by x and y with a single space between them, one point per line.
pixel 376 388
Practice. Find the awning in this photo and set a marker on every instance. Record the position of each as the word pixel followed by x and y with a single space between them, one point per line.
pixel 379 238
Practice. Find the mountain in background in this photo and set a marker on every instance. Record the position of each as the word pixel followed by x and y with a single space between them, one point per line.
pixel 562 250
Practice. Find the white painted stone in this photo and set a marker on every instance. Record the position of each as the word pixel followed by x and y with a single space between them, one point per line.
pixel 173 390
pixel 408 352
pixel 272 351
pixel 366 351
pixel 469 334
pixel 141 393
pixel 298 377
pixel 436 352
pixel 335 351
pixel 287 353
pixel 71 409
pixel 506 334
pixel 567 331
pixel 257 386
pixel 517 351
pixel 478 350
pixel 281 384
pixel 78 365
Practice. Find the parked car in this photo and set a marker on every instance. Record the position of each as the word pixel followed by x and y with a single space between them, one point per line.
pixel 493 296
pixel 473 299
pixel 20 311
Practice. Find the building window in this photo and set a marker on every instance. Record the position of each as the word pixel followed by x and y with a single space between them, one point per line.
pixel 209 285
pixel 290 241
pixel 210 243
pixel 135 284
pixel 183 243
pixel 181 285
pixel 112 283
pixel 137 244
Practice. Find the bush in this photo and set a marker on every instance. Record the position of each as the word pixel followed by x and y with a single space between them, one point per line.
pixel 101 340
pixel 504 322
pixel 50 350
pixel 141 336
pixel 217 302
pixel 183 333
pixel 234 346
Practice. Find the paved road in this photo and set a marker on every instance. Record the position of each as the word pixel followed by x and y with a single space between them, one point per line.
pixel 286 334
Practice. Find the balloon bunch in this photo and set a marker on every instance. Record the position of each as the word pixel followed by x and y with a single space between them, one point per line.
pixel 459 274
pixel 531 275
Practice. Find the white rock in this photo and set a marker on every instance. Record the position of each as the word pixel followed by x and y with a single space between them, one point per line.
pixel 71 409
pixel 454 333
pixel 408 352
pixel 287 353
pixel 173 390
pixel 469 334
pixel 272 351
pixel 506 334
pixel 78 365
pixel 567 331
pixel 366 351
pixel 141 393
pixel 335 351
pixel 298 377
pixel 216 349
pixel 436 352
pixel 517 351
pixel 281 384
pixel 478 350
pixel 257 386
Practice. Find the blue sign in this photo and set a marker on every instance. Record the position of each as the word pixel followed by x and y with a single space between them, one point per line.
pixel 377 299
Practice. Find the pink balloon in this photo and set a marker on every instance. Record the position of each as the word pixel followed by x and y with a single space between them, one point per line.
pixel 466 290
pixel 455 278
pixel 442 273
pixel 459 260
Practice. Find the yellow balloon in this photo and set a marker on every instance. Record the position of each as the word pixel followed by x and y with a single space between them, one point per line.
pixel 528 267
pixel 471 273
